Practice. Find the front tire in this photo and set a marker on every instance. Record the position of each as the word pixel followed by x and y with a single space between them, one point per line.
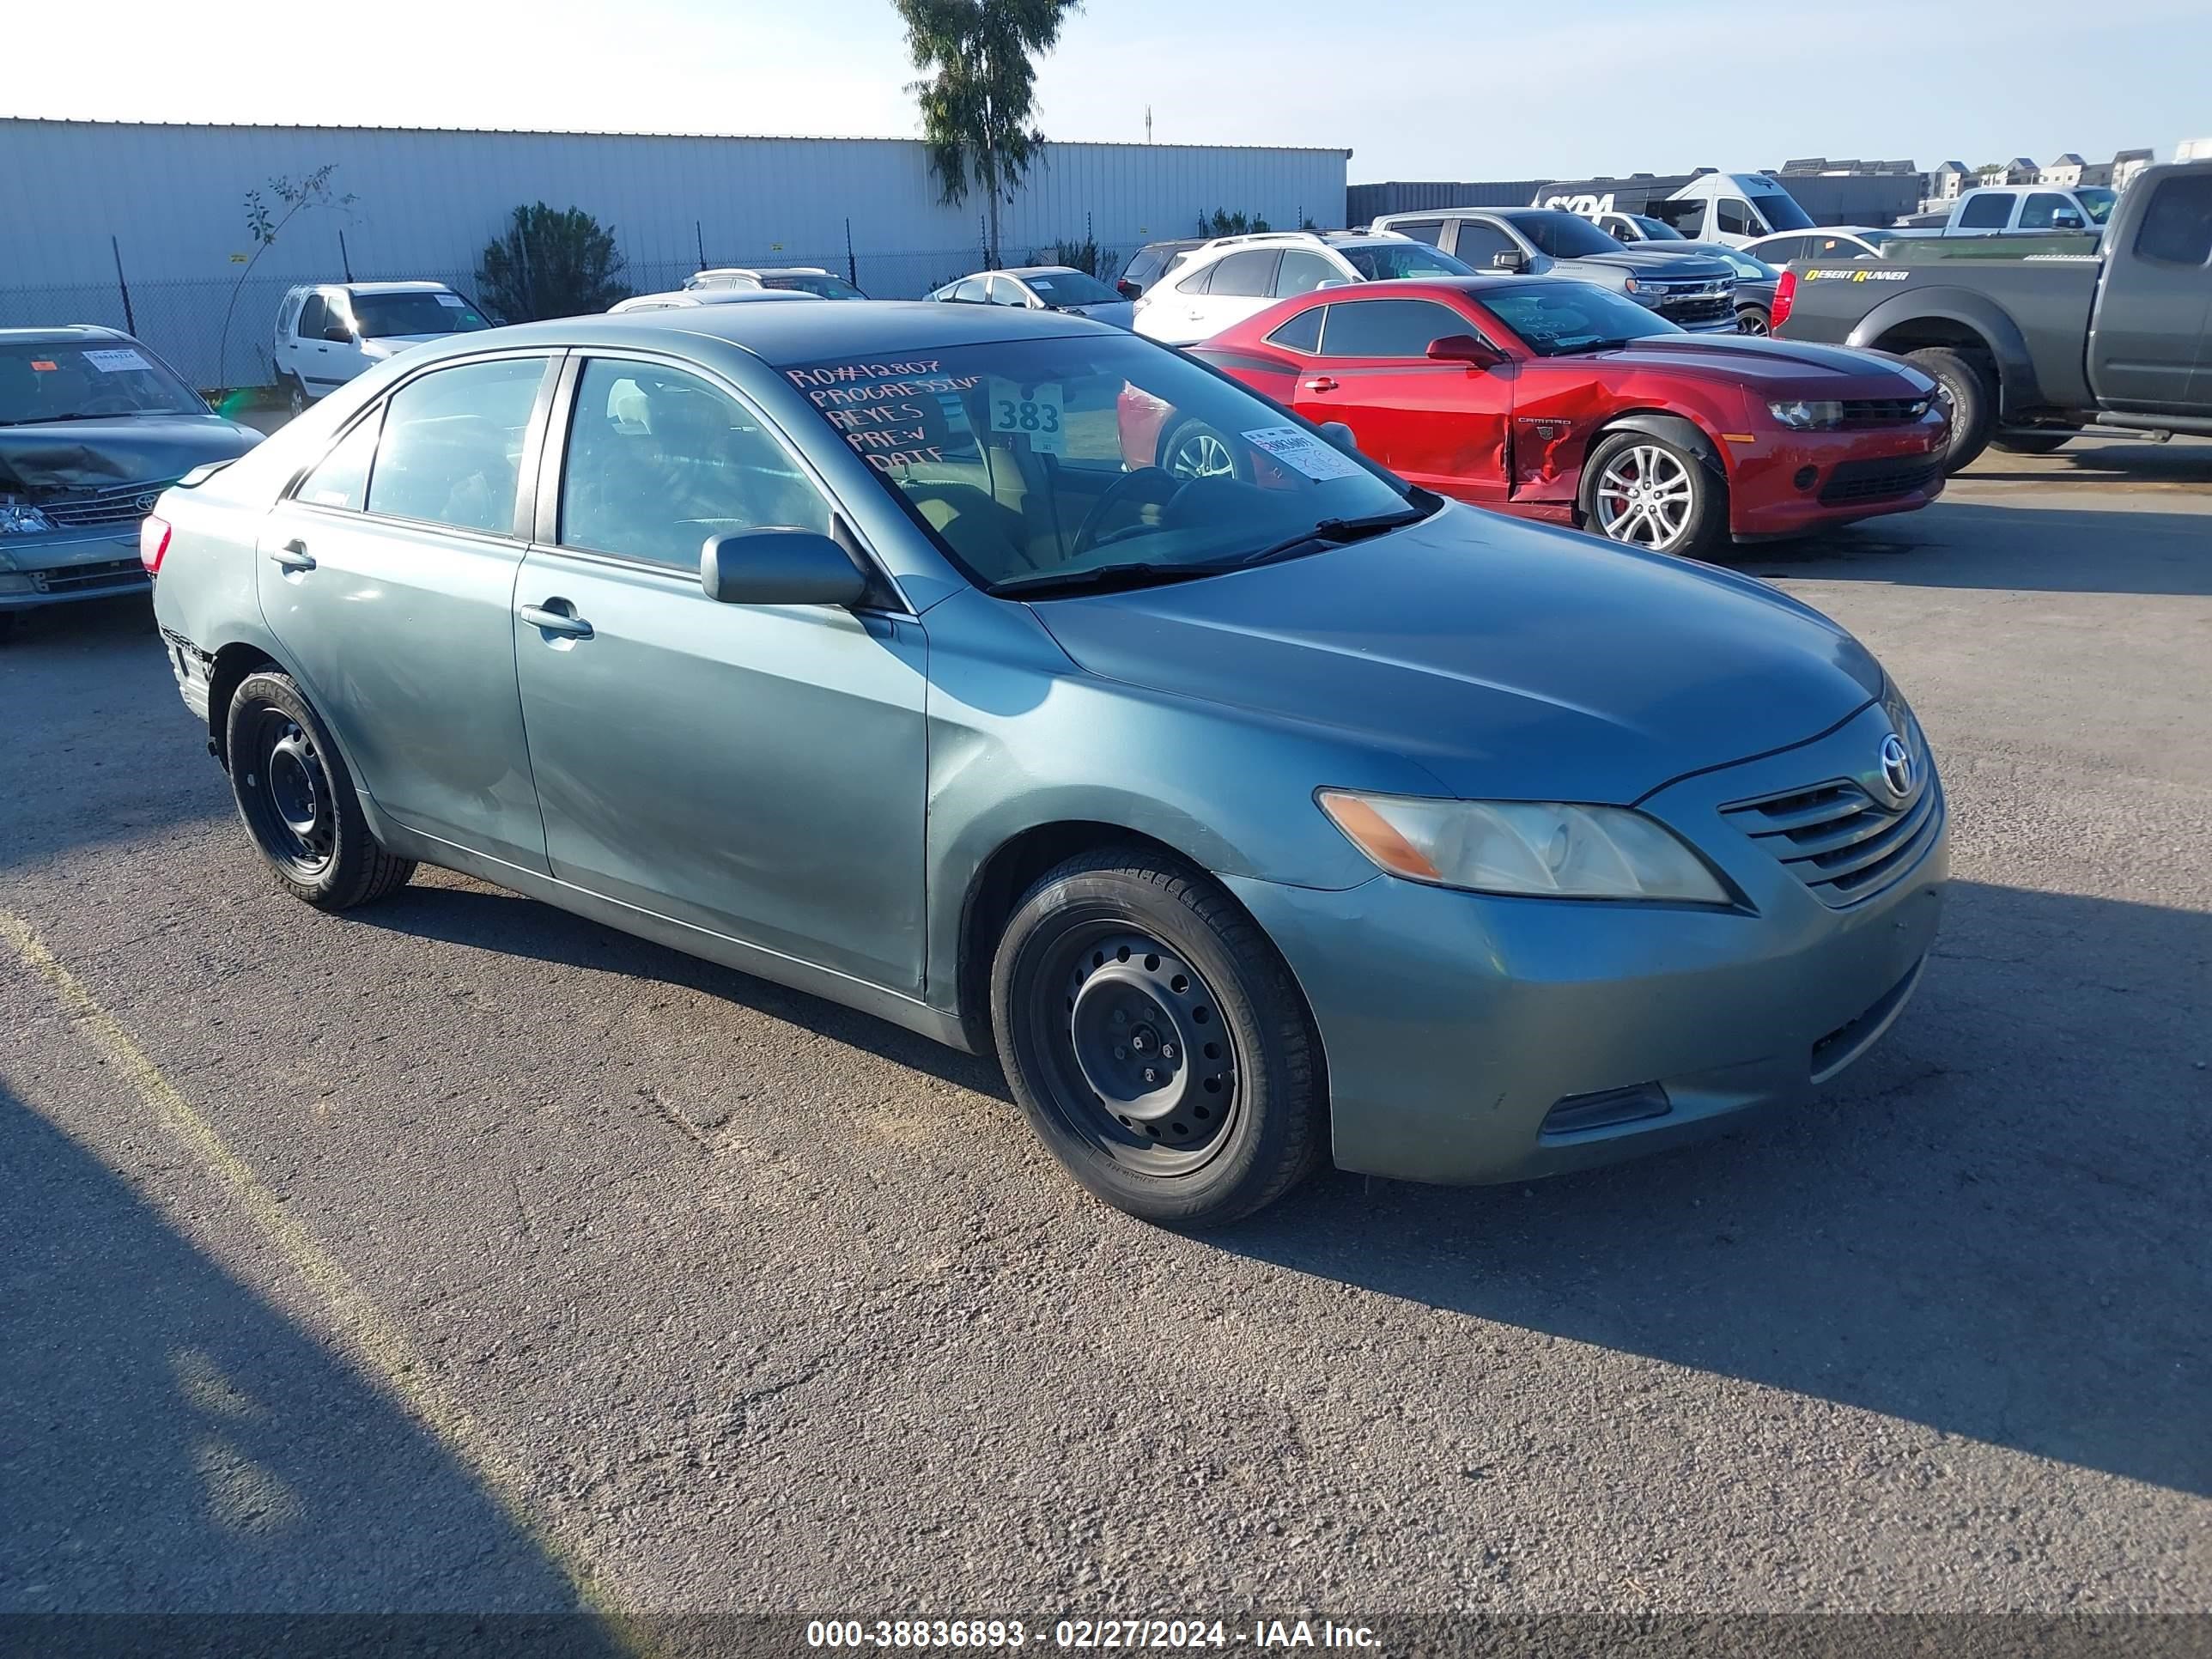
pixel 1195 450
pixel 297 798
pixel 1652 493
pixel 1972 395
pixel 1156 1041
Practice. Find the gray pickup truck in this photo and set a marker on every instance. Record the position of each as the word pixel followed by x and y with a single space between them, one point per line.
pixel 2033 349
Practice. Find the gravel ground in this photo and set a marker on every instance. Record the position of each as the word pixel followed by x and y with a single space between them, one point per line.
pixel 538 1245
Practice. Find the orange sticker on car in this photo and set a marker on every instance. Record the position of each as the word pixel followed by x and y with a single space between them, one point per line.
pixel 43 368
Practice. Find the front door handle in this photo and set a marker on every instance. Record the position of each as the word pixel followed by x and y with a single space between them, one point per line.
pixel 293 555
pixel 1321 383
pixel 556 622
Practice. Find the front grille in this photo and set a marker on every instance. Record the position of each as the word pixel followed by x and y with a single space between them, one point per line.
pixel 127 505
pixel 1837 840
pixel 1883 412
pixel 1873 481
pixel 1698 308
pixel 87 577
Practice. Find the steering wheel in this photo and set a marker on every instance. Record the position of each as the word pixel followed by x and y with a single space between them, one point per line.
pixel 1150 477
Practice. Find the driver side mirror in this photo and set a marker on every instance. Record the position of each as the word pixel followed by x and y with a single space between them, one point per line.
pixel 2066 222
pixel 1509 258
pixel 1340 436
pixel 1466 349
pixel 338 334
pixel 779 566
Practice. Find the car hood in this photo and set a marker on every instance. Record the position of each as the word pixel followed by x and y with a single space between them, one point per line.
pixel 68 457
pixel 1775 366
pixel 1647 260
pixel 1512 661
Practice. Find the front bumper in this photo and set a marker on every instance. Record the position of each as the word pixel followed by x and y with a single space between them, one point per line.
pixel 1785 483
pixel 65 568
pixel 1454 1023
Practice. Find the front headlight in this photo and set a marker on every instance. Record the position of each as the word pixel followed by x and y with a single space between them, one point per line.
pixel 20 518
pixel 1537 849
pixel 1802 416
pixel 1628 286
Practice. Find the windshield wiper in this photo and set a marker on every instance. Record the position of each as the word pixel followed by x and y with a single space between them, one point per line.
pixel 74 415
pixel 1333 532
pixel 1102 577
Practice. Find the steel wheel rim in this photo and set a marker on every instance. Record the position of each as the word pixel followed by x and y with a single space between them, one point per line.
pixel 1201 455
pixel 1114 1003
pixel 1645 497
pixel 286 792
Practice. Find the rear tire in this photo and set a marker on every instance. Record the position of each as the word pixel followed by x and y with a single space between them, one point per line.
pixel 2030 443
pixel 1652 492
pixel 1754 319
pixel 298 802
pixel 1156 1040
pixel 1972 395
pixel 1195 450
pixel 295 395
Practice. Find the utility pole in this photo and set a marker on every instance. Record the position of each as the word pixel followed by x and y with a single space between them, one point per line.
pixel 1148 123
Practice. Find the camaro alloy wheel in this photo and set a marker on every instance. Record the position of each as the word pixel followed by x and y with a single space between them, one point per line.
pixel 1647 496
pixel 1155 1040
pixel 1200 452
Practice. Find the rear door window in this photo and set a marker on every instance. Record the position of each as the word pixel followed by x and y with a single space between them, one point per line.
pixel 2176 225
pixel 451 450
pixel 1986 211
pixel 1251 272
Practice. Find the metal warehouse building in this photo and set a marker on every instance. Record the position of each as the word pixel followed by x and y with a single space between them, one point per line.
pixel 159 210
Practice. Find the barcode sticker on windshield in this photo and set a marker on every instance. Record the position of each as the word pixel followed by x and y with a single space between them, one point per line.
pixel 120 361
pixel 1303 453
pixel 1034 412
pixel 453 299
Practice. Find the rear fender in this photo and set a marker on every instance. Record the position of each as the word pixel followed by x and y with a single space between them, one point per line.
pixel 1940 316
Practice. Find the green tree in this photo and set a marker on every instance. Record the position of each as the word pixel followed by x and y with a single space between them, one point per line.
pixel 977 92
pixel 550 263
pixel 263 222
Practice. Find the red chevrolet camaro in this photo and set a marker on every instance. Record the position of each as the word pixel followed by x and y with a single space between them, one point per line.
pixel 1562 400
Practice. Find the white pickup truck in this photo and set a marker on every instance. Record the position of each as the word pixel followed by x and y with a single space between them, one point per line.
pixel 2021 209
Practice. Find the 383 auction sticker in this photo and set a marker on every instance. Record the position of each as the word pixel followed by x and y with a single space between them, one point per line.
pixel 1303 452
pixel 1034 412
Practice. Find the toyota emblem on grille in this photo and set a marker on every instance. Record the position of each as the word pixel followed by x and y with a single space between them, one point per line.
pixel 1897 767
pixel 145 503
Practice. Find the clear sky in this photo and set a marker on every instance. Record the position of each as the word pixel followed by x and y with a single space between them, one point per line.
pixel 1436 90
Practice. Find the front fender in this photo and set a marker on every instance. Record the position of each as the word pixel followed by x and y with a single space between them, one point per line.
pixel 1979 315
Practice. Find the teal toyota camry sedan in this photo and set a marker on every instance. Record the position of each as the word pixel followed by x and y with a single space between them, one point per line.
pixel 1036 688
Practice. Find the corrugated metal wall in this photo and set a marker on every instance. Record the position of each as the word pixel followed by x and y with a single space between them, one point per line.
pixel 426 202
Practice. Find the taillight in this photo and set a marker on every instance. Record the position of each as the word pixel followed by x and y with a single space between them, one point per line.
pixel 1127 290
pixel 153 543
pixel 1785 296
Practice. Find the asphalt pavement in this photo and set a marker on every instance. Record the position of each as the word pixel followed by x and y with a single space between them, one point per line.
pixel 456 1253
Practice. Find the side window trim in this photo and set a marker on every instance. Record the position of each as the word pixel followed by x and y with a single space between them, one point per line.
pixel 544 526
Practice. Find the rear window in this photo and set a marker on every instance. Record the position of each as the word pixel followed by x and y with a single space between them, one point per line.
pixel 1382 262
pixel 1069 288
pixel 1986 212
pixel 819 284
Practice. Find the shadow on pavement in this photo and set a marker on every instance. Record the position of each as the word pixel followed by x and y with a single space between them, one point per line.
pixel 174 1444
pixel 1993 1225
pixel 2050 550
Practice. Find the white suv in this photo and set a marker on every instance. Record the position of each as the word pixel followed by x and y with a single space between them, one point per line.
pixel 1233 277
pixel 328 333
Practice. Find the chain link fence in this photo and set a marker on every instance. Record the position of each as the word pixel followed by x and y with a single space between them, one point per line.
pixel 218 331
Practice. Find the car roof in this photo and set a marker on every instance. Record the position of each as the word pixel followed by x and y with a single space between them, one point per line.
pixel 874 331
pixel 387 287
pixel 60 334
pixel 725 296
pixel 1042 271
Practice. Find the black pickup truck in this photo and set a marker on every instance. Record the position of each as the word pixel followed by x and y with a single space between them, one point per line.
pixel 2031 350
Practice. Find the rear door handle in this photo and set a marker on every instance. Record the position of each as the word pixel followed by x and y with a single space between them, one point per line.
pixel 293 555
pixel 556 622
pixel 1321 383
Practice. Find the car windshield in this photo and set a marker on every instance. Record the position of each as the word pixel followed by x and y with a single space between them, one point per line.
pixel 382 316
pixel 1748 265
pixel 819 283
pixel 2096 202
pixel 1780 210
pixel 87 382
pixel 1555 317
pixel 1657 230
pixel 1084 460
pixel 1070 288
pixel 1381 262
pixel 1561 235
